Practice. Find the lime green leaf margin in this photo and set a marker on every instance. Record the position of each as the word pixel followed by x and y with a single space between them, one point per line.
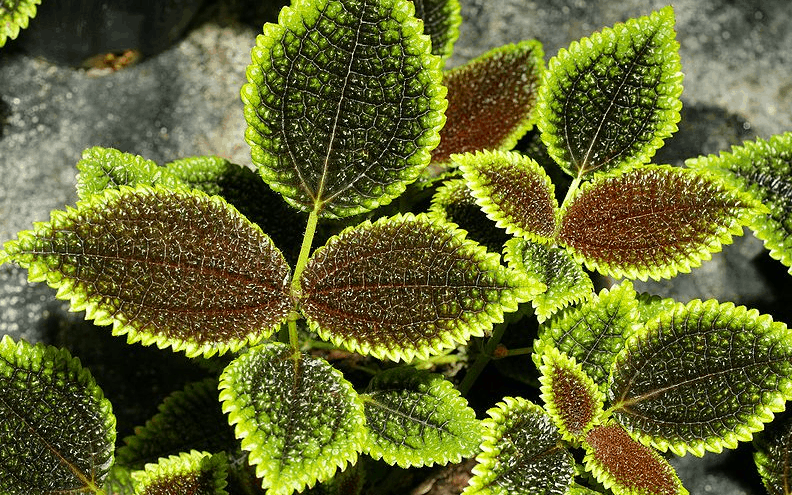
pixel 15 15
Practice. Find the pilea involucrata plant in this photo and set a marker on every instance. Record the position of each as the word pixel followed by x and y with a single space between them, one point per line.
pixel 348 109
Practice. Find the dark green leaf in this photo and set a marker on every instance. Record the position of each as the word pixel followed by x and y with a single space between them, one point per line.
pixel 296 415
pixel 514 191
pixel 107 168
pixel 774 456
pixel 344 103
pixel 417 418
pixel 764 169
pixel 522 453
pixel 441 19
pixel 613 98
pixel 57 431
pixel 193 473
pixel 627 467
pixel 652 221
pixel 15 15
pixel 567 283
pixel 491 100
pixel 702 377
pixel 407 287
pixel 170 267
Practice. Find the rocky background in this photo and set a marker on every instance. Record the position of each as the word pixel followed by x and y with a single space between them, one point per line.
pixel 184 101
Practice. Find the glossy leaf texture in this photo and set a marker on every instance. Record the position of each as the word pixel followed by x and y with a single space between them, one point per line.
pixel 652 221
pixel 108 168
pixel 174 268
pixel 514 191
pixel 194 473
pixel 58 430
pixel 522 453
pixel 441 20
pixel 627 467
pixel 407 286
pixel 491 100
pixel 15 15
pixel 567 283
pixel 763 168
pixel 191 416
pixel 702 377
pixel 416 418
pixel 296 415
pixel 613 98
pixel 773 456
pixel 592 333
pixel 454 202
pixel 344 103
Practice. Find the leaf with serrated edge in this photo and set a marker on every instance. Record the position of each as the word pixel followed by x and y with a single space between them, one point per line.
pixel 522 453
pixel 652 221
pixel 613 98
pixel 625 466
pixel 592 333
pixel 58 430
pixel 344 103
pixel 441 20
pixel 412 286
pixel 415 418
pixel 491 100
pixel 15 15
pixel 567 283
pixel 194 472
pixel 774 454
pixel 763 168
pixel 514 191
pixel 174 268
pixel 296 415
pixel 702 377
pixel 107 168
pixel 571 397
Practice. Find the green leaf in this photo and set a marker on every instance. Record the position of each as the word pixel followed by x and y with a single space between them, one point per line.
pixel 626 467
pixel 187 417
pixel 491 100
pixel 773 456
pixel 107 168
pixel 441 20
pixel 119 481
pixel 406 287
pixel 415 418
pixel 762 168
pixel 567 283
pixel 198 473
pixel 593 333
pixel 522 453
pixel 652 221
pixel 514 191
pixel 571 397
pixel 613 98
pixel 58 431
pixel 702 377
pixel 175 268
pixel 296 415
pixel 344 103
pixel 350 481
pixel 454 202
pixel 15 15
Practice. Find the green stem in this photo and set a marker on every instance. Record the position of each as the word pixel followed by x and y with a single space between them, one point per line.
pixel 483 359
pixel 518 352
pixel 305 251
pixel 293 340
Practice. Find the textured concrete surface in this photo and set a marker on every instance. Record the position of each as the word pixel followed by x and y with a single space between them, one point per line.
pixel 736 56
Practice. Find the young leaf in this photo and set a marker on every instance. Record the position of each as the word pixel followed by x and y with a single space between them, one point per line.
pixel 107 168
pixel 763 168
pixel 198 473
pixel 296 415
pixel 407 287
pixel 567 283
pixel 702 377
pixel 441 20
pixel 652 221
pixel 571 398
pixel 613 98
pixel 522 453
pixel 15 15
pixel 415 418
pixel 491 100
pixel 58 431
pixel 514 191
pixel 626 467
pixel 344 103
pixel 170 267
pixel 592 333
pixel 774 455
